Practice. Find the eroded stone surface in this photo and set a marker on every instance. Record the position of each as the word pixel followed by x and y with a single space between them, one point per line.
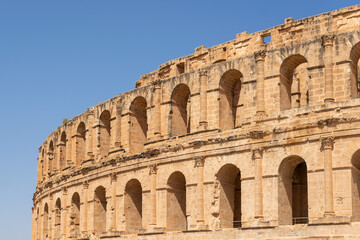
pixel 243 140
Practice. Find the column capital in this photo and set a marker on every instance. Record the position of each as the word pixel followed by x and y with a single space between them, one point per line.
pixel 199 161
pixel 64 190
pixel 327 39
pixel 153 169
pixel 257 153
pixel 327 143
pixel 86 184
pixel 260 55
pixel 203 73
pixel 156 83
pixel 113 177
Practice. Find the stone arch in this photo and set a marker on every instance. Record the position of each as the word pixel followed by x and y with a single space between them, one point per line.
pixel 138 125
pixel 133 206
pixel 45 225
pixel 293 191
pixel 75 215
pixel 105 132
pixel 100 209
pixel 176 202
pixel 294 82
pixel 180 110
pixel 57 219
pixel 355 73
pixel 355 184
pixel 80 143
pixel 50 157
pixel 229 178
pixel 229 104
pixel 62 150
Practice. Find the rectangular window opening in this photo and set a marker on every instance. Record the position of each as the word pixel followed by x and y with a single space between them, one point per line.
pixel 181 68
pixel 267 38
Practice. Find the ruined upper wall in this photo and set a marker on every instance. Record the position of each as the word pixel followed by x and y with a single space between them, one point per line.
pixel 290 33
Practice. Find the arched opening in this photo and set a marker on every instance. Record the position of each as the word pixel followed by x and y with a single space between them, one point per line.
pixel 80 143
pixel 133 206
pixel 294 82
pixel 293 193
pixel 57 222
pixel 355 185
pixel 75 215
pixel 229 177
pixel 45 227
pixel 355 73
pixel 230 102
pixel 138 125
pixel 100 210
pixel 180 108
pixel 50 157
pixel 62 150
pixel 105 132
pixel 176 202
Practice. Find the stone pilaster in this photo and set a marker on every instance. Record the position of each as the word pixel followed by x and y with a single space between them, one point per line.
pixel 327 144
pixel 260 85
pixel 64 213
pixel 328 41
pixel 114 178
pixel 153 173
pixel 199 164
pixel 203 124
pixel 89 143
pixel 85 207
pixel 157 111
pixel 258 156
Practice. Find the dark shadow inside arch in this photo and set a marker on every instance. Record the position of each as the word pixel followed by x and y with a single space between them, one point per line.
pixel 105 132
pixel 230 102
pixel 138 125
pixel 355 185
pixel 355 73
pixel 133 206
pixel 75 215
pixel 100 208
pixel 180 107
pixel 176 202
pixel 293 191
pixel 293 82
pixel 229 177
pixel 80 143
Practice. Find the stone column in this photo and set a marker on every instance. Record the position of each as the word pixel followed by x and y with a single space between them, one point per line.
pixel 260 84
pixel 328 41
pixel 38 172
pixel 33 225
pixel 113 202
pixel 118 125
pixel 84 216
pixel 68 145
pixel 89 136
pixel 257 156
pixel 64 212
pixel 50 219
pixel 327 147
pixel 157 111
pixel 199 164
pixel 153 172
pixel 203 124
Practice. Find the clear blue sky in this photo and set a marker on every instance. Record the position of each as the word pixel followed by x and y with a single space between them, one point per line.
pixel 59 57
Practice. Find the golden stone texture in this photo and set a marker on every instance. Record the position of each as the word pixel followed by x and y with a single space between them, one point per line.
pixel 244 140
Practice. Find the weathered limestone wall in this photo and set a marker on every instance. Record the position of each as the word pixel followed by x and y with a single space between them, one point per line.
pixel 246 139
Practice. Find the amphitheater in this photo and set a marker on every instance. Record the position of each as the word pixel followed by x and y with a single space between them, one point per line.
pixel 255 138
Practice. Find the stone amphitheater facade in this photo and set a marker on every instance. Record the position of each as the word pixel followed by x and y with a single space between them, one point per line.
pixel 255 138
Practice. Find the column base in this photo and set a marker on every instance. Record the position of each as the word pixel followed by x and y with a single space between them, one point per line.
pixel 329 219
pixel 329 100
